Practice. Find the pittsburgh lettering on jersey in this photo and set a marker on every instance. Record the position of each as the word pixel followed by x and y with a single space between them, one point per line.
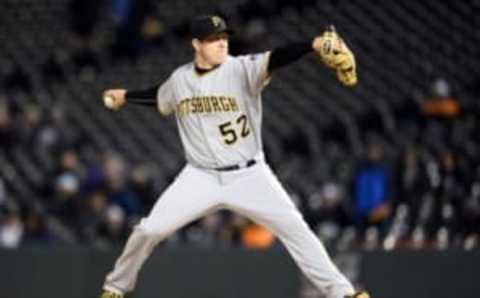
pixel 206 104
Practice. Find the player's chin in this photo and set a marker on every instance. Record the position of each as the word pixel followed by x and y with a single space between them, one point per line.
pixel 221 58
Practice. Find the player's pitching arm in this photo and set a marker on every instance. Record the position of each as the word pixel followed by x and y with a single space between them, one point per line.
pixel 114 99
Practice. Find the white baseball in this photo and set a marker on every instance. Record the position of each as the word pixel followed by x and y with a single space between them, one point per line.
pixel 109 101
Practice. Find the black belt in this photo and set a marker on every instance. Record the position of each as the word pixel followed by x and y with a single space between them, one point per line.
pixel 249 163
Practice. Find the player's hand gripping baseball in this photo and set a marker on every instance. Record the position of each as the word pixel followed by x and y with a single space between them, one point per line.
pixel 333 51
pixel 113 99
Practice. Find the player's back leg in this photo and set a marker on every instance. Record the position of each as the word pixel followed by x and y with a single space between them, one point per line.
pixel 192 195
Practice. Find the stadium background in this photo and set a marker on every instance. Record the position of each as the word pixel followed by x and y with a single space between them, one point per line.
pixel 387 174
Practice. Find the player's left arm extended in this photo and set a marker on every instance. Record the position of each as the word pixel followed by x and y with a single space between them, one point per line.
pixel 331 49
pixel 289 53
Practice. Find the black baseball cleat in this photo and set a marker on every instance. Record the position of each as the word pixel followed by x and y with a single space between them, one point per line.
pixel 108 294
pixel 356 295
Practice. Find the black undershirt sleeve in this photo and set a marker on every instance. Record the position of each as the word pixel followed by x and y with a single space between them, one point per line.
pixel 287 54
pixel 147 97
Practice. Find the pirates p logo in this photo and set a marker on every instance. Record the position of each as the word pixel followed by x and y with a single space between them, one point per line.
pixel 216 20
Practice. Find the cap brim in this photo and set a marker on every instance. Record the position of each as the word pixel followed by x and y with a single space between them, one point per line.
pixel 228 31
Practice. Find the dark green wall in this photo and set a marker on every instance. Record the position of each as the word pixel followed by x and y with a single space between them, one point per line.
pixel 179 273
pixel 202 273
pixel 423 274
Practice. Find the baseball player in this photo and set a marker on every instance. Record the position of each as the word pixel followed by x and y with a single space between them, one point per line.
pixel 217 103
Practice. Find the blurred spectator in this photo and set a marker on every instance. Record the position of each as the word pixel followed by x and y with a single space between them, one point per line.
pixel 61 134
pixel 92 216
pixel 130 17
pixel 113 230
pixel 3 194
pixel 333 212
pixel 207 231
pixel 255 236
pixel 69 163
pixel 30 124
pixel 234 226
pixel 371 189
pixel 449 195
pixel 118 189
pixel 11 227
pixel 441 104
pixel 66 175
pixel 411 181
pixel 7 132
pixel 94 179
pixel 64 204
pixel 37 230
pixel 143 185
pixel 471 213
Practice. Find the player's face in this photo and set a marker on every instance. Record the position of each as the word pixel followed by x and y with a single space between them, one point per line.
pixel 213 50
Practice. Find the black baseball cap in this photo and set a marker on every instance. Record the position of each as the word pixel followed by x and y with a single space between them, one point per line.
pixel 203 26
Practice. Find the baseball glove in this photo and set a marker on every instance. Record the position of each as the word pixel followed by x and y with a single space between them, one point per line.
pixel 333 51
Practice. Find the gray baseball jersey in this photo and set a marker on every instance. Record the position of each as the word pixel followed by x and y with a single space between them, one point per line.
pixel 219 113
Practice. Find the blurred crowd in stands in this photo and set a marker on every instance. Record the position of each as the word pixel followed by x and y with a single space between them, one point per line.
pixel 414 184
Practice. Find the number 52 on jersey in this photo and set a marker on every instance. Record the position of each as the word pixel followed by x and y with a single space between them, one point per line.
pixel 231 130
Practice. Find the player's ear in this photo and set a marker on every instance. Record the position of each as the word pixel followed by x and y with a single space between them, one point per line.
pixel 196 44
